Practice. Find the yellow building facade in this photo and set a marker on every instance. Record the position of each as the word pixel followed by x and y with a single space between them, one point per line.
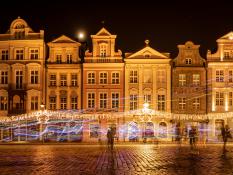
pixel 220 84
pixel 22 69
pixel 63 91
pixel 147 87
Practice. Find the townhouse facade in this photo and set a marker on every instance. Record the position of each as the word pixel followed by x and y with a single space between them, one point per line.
pixel 103 86
pixel 189 88
pixel 147 82
pixel 219 82
pixel 22 67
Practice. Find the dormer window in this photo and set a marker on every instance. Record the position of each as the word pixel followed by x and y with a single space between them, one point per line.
pixel 226 55
pixel 58 59
pixel 19 34
pixel 188 61
pixel 69 58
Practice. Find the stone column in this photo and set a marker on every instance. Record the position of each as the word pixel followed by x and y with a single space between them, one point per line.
pixel 168 98
pixel 213 105
pixel 86 131
pixel 127 88
pixel 226 104
pixel 154 93
pixel 140 87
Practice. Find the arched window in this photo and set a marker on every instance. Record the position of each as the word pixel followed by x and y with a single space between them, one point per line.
pixel 133 131
pixel 149 129
pixel 162 130
pixel 17 103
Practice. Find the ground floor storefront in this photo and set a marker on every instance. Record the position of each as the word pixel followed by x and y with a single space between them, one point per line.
pixel 77 127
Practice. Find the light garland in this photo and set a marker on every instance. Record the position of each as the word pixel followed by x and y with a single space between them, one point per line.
pixel 44 116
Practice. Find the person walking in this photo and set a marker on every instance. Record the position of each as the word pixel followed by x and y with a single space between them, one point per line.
pixel 109 137
pixel 225 131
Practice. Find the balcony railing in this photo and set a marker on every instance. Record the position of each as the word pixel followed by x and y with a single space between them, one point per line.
pixel 103 60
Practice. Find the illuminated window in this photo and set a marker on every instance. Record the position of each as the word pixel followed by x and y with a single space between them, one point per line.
pixel 219 75
pixel 19 54
pixel 115 100
pixel 34 77
pixel 34 103
pixel 219 98
pixel 34 54
pixel 115 78
pixel 103 100
pixel 52 103
pixel 3 103
pixel 19 79
pixel 91 78
pixel 230 77
pixel 74 103
pixel 182 79
pixel 161 102
pixel 5 55
pixel 133 102
pixel 230 98
pixel 196 79
pixel 147 76
pixel 4 77
pixel 226 54
pixel 91 100
pixel 182 103
pixel 196 103
pixel 63 102
pixel 58 59
pixel 147 98
pixel 133 76
pixel 74 80
pixel 69 58
pixel 103 50
pixel 63 80
pixel 53 80
pixel 161 76
pixel 103 78
pixel 188 61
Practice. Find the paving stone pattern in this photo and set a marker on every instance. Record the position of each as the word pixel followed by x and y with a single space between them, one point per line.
pixel 124 159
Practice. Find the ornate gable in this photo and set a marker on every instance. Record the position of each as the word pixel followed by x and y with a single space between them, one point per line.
pixel 147 52
pixel 103 32
pixel 63 39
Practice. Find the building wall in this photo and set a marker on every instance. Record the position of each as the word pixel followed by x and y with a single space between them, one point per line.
pixel 64 48
pixel 221 60
pixel 189 63
pixel 21 37
pixel 103 59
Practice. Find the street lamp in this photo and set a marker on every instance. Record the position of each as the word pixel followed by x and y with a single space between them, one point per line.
pixel 42 106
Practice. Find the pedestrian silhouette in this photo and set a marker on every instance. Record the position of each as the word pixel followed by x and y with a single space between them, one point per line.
pixel 225 131
pixel 192 137
pixel 110 137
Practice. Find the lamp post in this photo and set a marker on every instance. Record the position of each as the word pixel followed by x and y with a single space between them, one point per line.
pixel 42 106
pixel 145 111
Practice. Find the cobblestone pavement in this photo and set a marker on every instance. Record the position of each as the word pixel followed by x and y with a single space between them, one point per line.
pixel 124 159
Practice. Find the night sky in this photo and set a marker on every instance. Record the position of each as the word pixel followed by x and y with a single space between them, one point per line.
pixel 166 24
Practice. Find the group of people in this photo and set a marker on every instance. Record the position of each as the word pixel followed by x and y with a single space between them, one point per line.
pixel 193 135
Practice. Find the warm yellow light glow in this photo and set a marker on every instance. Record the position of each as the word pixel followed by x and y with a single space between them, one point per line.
pixel 146 105
pixel 231 37
pixel 80 35
pixel 226 105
